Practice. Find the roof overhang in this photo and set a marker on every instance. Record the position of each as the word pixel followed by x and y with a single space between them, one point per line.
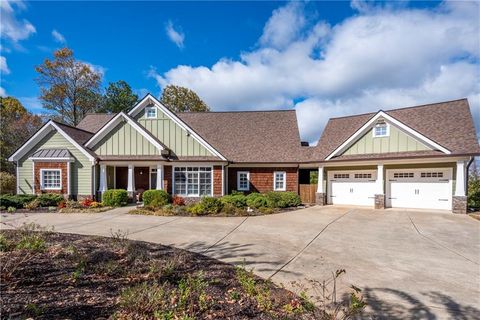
pixel 39 135
pixel 119 118
pixel 151 100
pixel 370 123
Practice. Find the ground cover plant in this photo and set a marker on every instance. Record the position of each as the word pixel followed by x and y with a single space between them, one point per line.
pixel 158 203
pixel 47 275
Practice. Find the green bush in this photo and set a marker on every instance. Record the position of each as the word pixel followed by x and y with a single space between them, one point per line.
pixel 283 199
pixel 257 200
pixel 196 209
pixel 211 205
pixel 16 201
pixel 8 183
pixel 474 190
pixel 238 200
pixel 49 199
pixel 292 199
pixel 156 198
pixel 115 198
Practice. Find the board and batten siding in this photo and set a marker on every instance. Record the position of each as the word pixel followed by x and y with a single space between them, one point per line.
pixel 124 140
pixel 172 135
pixel 397 141
pixel 80 170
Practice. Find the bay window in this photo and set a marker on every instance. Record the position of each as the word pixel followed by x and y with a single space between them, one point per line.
pixel 192 181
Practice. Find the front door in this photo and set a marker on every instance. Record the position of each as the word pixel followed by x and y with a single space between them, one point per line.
pixel 142 180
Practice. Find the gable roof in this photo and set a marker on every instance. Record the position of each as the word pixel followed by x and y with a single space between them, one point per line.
pixel 93 122
pixel 449 124
pixel 249 136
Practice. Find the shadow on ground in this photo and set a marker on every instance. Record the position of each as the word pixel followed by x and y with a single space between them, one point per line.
pixel 386 303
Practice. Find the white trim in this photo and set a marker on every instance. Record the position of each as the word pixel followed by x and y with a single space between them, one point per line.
pixel 370 123
pixel 223 180
pixel 149 98
pixel 284 173
pixel 379 182
pixel 238 180
pixel 131 178
pixel 68 177
pixel 40 134
pixel 33 176
pixel 114 177
pixel 42 186
pixel 320 188
pixel 186 184
pixel 115 121
pixel 102 187
pixel 146 112
pixel 460 179
pixel 387 130
pixel 18 180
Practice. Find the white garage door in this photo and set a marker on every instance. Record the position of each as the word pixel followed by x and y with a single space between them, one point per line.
pixel 352 187
pixel 419 188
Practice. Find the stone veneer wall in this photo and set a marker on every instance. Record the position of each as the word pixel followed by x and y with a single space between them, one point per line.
pixel 459 204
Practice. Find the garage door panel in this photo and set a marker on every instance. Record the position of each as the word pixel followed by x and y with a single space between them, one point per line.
pixel 351 188
pixel 419 188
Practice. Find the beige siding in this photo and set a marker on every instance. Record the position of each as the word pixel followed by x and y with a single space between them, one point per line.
pixel 397 141
pixel 125 140
pixel 80 173
pixel 172 135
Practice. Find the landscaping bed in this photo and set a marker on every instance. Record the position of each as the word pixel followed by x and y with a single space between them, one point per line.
pixel 159 203
pixel 49 275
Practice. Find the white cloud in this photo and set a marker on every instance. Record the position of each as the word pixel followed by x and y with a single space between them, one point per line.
pixel 382 57
pixel 3 93
pixel 176 36
pixel 13 28
pixel 58 37
pixel 95 67
pixel 3 65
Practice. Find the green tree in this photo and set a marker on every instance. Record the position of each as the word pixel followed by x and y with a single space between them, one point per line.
pixel 474 187
pixel 118 97
pixel 69 88
pixel 16 126
pixel 180 99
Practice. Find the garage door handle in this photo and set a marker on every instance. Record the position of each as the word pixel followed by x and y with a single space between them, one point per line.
pixel 442 199
pixel 332 196
pixel 444 180
pixel 392 180
pixel 392 198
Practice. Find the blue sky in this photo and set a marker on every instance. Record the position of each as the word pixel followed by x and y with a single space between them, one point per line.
pixel 322 58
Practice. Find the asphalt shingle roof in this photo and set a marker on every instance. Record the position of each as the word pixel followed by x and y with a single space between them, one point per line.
pixel 93 122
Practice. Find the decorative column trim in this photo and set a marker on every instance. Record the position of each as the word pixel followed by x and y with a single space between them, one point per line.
pixel 460 179
pixel 131 178
pixel 68 178
pixel 33 173
pixel 320 181
pixel 379 182
pixel 159 177
pixel 103 178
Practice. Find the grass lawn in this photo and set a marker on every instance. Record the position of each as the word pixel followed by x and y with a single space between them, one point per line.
pixel 49 275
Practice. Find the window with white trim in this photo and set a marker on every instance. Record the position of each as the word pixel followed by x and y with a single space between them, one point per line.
pixel 279 181
pixel 192 181
pixel 381 130
pixel 243 180
pixel 150 112
pixel 51 179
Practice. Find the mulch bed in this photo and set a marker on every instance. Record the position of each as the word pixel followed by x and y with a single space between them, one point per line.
pixel 83 277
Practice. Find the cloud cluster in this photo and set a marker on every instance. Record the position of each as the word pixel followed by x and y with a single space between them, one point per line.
pixel 176 36
pixel 58 37
pixel 382 57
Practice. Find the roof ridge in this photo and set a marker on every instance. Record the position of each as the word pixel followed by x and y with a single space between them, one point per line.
pixel 99 113
pixel 67 125
pixel 240 111
pixel 395 109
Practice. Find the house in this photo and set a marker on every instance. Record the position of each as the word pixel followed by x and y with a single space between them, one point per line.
pixel 414 157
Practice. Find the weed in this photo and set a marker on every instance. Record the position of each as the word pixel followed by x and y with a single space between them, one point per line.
pixel 119 237
pixel 11 209
pixel 34 309
pixel 246 280
pixel 5 244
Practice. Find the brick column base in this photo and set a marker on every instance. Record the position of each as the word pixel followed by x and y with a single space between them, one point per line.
pixel 320 199
pixel 379 201
pixel 459 204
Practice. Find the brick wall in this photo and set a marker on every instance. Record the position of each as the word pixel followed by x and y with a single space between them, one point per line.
pixel 51 165
pixel 261 179
pixel 217 181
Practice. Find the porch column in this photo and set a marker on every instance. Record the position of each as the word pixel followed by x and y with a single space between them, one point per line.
pixel 379 189
pixel 320 194
pixel 159 177
pixel 103 179
pixel 459 200
pixel 131 179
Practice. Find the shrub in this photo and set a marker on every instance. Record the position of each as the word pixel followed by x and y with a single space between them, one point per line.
pixel 16 201
pixel 156 198
pixel 178 201
pixel 230 210
pixel 8 183
pixel 87 202
pixel 62 205
pixel 211 205
pixel 265 210
pixel 238 200
pixel 474 189
pixel 292 199
pixel 11 209
pixel 196 209
pixel 95 204
pixel 283 199
pixel 257 200
pixel 32 205
pixel 115 197
pixel 49 199
pixel 72 204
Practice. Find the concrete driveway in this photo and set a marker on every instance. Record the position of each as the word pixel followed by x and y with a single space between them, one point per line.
pixel 409 264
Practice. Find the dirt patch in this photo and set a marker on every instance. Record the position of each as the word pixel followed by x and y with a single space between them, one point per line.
pixel 49 275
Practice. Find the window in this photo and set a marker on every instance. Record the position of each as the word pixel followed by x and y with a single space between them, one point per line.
pixel 341 175
pixel 279 183
pixel 363 175
pixel 431 174
pixel 403 175
pixel 192 181
pixel 243 181
pixel 51 179
pixel 381 130
pixel 150 112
